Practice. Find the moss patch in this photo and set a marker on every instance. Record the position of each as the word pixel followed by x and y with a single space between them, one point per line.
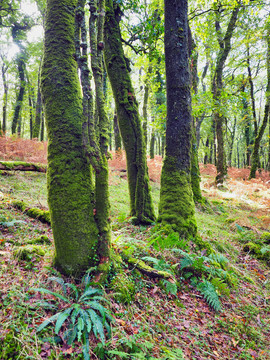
pixel 42 240
pixel 27 252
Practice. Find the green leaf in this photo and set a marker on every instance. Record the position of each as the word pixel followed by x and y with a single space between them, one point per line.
pixel 61 319
pixel 47 322
pixel 96 306
pixel 97 325
pixel 86 346
pixel 89 293
pixel 74 288
pixel 75 313
pixel 46 291
pixel 80 328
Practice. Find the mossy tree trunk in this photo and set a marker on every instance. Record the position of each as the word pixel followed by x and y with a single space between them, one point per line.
pixel 70 185
pixel 217 86
pixel 195 170
pixel 117 136
pixel 37 123
pixel 256 148
pixel 96 26
pixel 145 104
pixel 176 199
pixel 19 100
pixel 3 128
pixel 141 207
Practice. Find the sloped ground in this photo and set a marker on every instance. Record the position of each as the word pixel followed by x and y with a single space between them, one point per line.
pixel 154 324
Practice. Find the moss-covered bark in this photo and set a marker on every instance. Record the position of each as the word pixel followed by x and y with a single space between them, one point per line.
pixel 69 183
pixel 102 174
pixel 22 166
pixel 176 200
pixel 128 118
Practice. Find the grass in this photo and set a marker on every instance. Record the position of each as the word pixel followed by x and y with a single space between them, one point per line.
pixel 154 324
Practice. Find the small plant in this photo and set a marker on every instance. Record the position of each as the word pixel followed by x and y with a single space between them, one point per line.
pixel 5 222
pixel 83 311
pixel 162 265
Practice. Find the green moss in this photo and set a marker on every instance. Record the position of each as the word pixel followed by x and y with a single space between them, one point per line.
pixel 41 215
pixel 10 348
pixel 28 251
pixel 12 165
pixel 176 200
pixel 69 181
pixel 265 237
pixel 123 288
pixel 20 205
pixel 203 245
pixel 43 239
pixel 252 248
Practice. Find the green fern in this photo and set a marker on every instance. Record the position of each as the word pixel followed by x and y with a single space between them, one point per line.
pixel 83 313
pixel 220 286
pixel 209 293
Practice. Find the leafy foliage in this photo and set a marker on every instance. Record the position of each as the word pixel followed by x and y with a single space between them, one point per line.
pixel 83 312
pixel 209 292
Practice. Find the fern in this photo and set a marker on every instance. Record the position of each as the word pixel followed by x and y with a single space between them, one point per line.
pixel 220 286
pixel 209 293
pixel 83 313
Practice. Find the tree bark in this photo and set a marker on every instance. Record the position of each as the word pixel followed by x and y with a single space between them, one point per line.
pixel 117 136
pixel 70 185
pixel 141 207
pixel 217 85
pixel 256 148
pixel 176 200
pixel 5 99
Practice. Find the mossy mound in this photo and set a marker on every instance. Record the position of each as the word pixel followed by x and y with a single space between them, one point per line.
pixel 27 252
pixel 35 213
pixel 123 287
pixel 42 240
pixel 265 237
pixel 9 347
pixel 260 252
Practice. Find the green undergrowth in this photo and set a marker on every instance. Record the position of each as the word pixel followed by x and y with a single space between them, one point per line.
pixel 214 304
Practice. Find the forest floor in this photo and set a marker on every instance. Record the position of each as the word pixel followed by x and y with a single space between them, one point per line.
pixel 153 321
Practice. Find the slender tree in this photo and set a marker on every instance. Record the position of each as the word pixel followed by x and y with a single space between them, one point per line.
pixel 141 207
pixel 176 199
pixel 256 148
pixel 217 86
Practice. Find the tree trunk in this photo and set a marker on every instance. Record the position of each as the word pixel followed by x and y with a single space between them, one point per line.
pixel 217 86
pixel 5 99
pixel 141 207
pixel 69 180
pixel 152 145
pixel 176 200
pixel 36 128
pixel 256 148
pixel 96 27
pixel 117 136
pixel 19 100
pixel 145 105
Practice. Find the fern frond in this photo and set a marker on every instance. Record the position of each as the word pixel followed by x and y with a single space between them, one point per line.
pixel 221 286
pixel 209 293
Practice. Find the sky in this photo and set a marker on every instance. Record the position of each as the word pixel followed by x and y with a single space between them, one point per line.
pixel 34 35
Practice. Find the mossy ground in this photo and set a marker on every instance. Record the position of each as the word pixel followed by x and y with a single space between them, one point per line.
pixel 151 322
